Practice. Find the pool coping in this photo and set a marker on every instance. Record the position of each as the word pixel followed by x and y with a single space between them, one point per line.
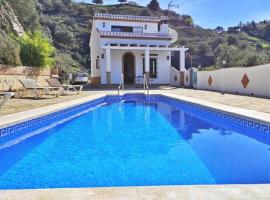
pixel 198 192
pixel 15 118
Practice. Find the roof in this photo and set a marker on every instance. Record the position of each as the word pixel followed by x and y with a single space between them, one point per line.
pixel 130 17
pixel 160 36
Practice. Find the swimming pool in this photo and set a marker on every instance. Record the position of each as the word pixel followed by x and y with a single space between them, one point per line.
pixel 134 140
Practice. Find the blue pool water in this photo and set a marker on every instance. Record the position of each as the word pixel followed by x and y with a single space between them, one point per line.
pixel 137 143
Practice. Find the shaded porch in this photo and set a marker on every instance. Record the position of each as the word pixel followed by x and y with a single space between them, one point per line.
pixel 139 60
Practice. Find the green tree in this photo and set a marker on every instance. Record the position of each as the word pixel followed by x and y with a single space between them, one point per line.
pixel 97 1
pixel 189 21
pixel 183 42
pixel 122 1
pixel 64 36
pixel 27 13
pixel 36 50
pixel 231 40
pixel 203 49
pixel 254 26
pixel 1 1
pixel 9 52
pixel 153 5
pixel 266 32
pixel 217 42
pixel 230 54
pixel 251 57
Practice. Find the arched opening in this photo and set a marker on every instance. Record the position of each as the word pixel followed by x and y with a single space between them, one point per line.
pixel 129 68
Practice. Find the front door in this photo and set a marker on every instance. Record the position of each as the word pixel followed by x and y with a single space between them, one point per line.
pixel 129 68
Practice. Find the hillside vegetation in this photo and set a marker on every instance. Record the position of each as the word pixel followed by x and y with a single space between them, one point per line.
pixel 67 27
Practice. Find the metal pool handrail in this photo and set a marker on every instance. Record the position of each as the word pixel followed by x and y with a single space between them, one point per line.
pixel 145 84
pixel 121 85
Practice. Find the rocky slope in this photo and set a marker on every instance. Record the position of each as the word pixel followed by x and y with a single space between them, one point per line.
pixel 9 21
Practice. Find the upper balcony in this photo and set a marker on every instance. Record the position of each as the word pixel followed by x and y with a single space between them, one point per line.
pixel 135 35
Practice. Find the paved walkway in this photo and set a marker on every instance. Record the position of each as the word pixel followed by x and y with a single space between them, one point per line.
pixel 226 192
pixel 247 102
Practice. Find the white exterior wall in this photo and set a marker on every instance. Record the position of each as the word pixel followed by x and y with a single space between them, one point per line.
pixel 174 77
pixel 164 28
pixel 152 27
pixel 187 78
pixel 229 80
pixel 163 66
pixel 202 80
pixel 95 49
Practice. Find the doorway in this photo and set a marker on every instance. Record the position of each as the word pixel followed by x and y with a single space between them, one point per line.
pixel 129 68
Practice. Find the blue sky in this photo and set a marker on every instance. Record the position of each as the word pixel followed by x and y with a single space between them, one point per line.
pixel 211 13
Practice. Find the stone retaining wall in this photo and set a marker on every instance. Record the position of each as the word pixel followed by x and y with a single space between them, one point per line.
pixel 10 76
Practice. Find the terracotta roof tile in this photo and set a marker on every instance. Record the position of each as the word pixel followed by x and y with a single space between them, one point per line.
pixel 131 17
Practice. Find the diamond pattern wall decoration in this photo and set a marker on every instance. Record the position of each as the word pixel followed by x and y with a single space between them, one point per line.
pixel 245 81
pixel 210 80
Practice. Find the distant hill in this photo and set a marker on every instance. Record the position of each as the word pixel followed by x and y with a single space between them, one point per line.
pixel 68 25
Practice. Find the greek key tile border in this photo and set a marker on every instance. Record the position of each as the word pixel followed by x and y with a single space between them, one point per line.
pixel 220 116
pixel 17 130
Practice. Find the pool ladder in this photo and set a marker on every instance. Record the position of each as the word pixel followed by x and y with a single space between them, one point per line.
pixel 145 85
pixel 121 85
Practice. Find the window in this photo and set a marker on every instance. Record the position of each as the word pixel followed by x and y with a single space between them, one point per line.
pixel 129 29
pixel 160 23
pixel 97 62
pixel 145 26
pixel 122 29
pixel 159 26
pixel 103 25
pixel 137 29
pixel 153 67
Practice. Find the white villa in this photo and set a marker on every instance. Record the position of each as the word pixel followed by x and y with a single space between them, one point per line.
pixel 132 46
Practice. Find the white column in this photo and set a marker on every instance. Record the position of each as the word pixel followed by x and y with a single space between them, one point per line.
pixel 108 65
pixel 108 60
pixel 182 60
pixel 147 62
pixel 269 84
pixel 182 67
